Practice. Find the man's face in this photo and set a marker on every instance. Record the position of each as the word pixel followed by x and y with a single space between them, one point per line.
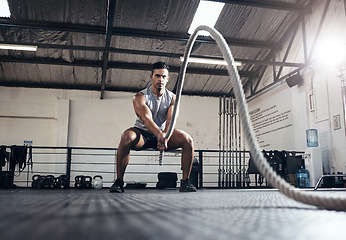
pixel 159 78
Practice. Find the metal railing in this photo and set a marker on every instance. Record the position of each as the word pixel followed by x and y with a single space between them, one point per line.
pixel 143 167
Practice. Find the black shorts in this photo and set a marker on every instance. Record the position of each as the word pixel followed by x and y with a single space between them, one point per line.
pixel 150 140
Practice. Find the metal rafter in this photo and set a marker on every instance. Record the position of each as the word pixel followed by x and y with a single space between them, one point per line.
pixel 311 51
pixel 132 32
pixel 153 53
pixel 326 6
pixel 110 19
pixel 165 36
pixel 288 49
pixel 278 5
pixel 121 65
pixel 94 87
pixel 291 30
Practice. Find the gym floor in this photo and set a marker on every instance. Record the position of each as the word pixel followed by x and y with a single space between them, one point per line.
pixel 27 213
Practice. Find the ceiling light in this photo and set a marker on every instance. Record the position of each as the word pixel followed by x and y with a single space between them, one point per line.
pixel 18 47
pixel 207 14
pixel 331 51
pixel 4 10
pixel 209 61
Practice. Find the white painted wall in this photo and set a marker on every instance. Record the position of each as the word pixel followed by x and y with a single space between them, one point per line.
pixel 75 118
pixel 320 80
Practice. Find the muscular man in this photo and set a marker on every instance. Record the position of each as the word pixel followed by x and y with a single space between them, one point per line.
pixel 154 108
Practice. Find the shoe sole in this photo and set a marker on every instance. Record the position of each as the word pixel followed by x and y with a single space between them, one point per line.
pixel 116 190
pixel 192 190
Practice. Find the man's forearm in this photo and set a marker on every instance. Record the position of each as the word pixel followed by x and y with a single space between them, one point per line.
pixel 152 127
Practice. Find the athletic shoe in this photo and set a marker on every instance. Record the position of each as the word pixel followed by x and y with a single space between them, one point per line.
pixel 187 186
pixel 118 186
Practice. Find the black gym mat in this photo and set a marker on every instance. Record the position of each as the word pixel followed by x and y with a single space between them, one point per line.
pixel 163 215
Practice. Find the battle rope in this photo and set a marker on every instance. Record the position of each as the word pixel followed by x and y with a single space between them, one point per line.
pixel 327 202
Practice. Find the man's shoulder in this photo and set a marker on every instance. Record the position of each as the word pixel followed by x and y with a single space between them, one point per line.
pixel 170 93
pixel 144 92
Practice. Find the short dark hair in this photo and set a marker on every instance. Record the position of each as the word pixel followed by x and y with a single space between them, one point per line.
pixel 159 65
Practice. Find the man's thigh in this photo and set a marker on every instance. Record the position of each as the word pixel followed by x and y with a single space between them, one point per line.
pixel 177 139
pixel 138 140
pixel 145 140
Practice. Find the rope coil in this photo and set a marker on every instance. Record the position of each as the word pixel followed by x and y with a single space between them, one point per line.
pixel 326 202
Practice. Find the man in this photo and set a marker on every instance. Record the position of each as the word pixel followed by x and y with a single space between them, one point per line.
pixel 154 108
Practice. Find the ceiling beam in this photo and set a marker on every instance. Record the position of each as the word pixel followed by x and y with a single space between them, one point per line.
pixel 176 69
pixel 140 33
pixel 278 5
pixel 320 25
pixel 93 87
pixel 154 53
pixel 178 36
pixel 122 65
pixel 306 9
pixel 110 17
pixel 273 83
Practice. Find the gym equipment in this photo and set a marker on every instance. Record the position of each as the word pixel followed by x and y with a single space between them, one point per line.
pixel 327 202
pixel 167 180
pixel 6 179
pixel 195 171
pixel 18 157
pixel 43 182
pixel 220 121
pixel 332 180
pixel 135 185
pixel 82 182
pixel 38 181
pixel 98 182
pixel 88 182
pixel 79 181
pixel 168 176
pixel 49 182
pixel 61 182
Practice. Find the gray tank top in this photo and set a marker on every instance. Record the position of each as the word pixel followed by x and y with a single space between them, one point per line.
pixel 158 107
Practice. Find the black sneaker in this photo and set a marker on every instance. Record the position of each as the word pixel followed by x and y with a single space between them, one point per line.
pixel 118 186
pixel 187 186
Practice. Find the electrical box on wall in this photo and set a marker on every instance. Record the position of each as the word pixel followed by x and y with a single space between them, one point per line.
pixel 336 122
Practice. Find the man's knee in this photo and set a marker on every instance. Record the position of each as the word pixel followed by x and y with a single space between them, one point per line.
pixel 188 141
pixel 129 138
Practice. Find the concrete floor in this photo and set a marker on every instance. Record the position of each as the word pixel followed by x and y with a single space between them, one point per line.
pixel 163 214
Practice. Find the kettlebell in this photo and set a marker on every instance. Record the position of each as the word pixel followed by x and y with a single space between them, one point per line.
pixel 88 182
pixel 98 182
pixel 62 182
pixel 37 181
pixel 79 181
pixel 49 182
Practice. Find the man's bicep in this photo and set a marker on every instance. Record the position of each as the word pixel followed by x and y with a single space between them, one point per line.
pixel 141 109
pixel 170 111
pixel 171 108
